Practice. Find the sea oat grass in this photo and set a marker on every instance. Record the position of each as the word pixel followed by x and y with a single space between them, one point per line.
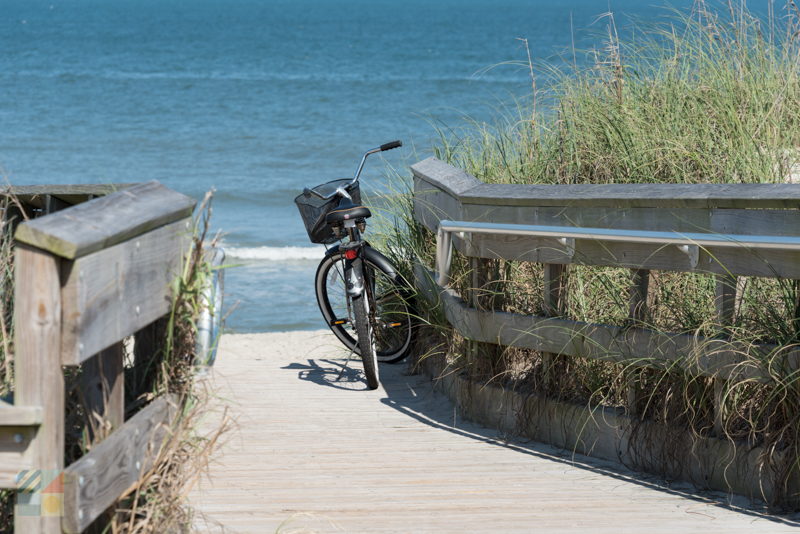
pixel 711 97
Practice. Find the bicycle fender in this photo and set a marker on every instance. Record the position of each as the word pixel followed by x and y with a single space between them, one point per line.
pixel 354 278
pixel 375 257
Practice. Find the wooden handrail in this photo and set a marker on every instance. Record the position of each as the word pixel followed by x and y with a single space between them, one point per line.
pixel 86 277
pixel 106 221
pixel 470 190
pixel 727 231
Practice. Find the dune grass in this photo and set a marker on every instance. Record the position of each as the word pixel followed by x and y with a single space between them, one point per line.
pixel 711 97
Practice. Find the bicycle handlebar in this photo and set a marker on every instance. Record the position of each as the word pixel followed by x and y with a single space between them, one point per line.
pixel 393 144
pixel 384 147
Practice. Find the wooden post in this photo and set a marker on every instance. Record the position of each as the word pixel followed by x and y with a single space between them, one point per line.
pixel 40 381
pixel 482 355
pixel 103 389
pixel 726 308
pixel 637 298
pixel 554 305
pixel 479 275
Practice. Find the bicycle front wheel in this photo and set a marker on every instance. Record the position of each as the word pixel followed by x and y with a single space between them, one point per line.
pixel 366 344
pixel 389 309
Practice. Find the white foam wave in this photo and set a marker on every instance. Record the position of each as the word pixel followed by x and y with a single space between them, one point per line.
pixel 275 253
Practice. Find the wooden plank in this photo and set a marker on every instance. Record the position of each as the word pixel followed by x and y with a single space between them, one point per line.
pixel 106 221
pixel 14 441
pixel 35 195
pixel 445 473
pixel 470 190
pixel 637 296
pixel 432 205
pixel 554 289
pixel 439 174
pixel 53 203
pixel 484 356
pixel 100 477
pixel 554 294
pixel 712 260
pixel 725 300
pixel 741 196
pixel 725 303
pixel 630 346
pixel 37 367
pixel 11 415
pixel 778 222
pixel 112 293
pixel 637 314
pixel 103 391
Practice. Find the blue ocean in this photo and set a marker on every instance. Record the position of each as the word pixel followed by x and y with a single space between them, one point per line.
pixel 257 99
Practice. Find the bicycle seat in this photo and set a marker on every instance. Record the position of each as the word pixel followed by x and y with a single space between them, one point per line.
pixel 346 210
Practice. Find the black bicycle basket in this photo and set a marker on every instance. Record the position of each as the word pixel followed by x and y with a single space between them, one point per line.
pixel 313 209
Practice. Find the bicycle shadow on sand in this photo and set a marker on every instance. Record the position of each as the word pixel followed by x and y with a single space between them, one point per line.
pixel 332 372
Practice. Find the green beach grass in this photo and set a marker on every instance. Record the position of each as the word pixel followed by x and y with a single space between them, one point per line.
pixel 711 97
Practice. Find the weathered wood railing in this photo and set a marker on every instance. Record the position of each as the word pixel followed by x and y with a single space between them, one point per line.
pixel 517 227
pixel 86 278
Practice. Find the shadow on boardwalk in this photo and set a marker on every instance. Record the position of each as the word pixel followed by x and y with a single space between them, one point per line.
pixel 414 397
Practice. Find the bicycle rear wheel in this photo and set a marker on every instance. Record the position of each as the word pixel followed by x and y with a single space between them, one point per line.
pixel 389 307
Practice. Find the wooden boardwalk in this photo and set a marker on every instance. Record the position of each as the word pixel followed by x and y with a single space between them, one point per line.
pixel 313 454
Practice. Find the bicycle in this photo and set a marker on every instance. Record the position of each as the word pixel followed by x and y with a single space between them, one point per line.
pixel 361 295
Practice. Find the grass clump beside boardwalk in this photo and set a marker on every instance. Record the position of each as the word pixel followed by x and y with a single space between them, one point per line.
pixel 712 97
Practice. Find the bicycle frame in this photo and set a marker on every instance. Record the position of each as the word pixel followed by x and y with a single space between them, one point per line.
pixel 353 265
pixel 353 268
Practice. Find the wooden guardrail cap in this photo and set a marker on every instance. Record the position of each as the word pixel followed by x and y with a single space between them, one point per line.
pixel 469 190
pixel 69 194
pixel 105 221
pixel 438 173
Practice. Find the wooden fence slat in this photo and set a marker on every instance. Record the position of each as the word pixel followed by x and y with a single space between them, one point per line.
pixel 446 177
pixel 100 477
pixel 482 297
pixel 778 222
pixel 38 375
pixel 649 195
pixel 112 293
pixel 103 222
pixel 14 441
pixel 554 295
pixel 637 313
pixel 11 415
pixel 640 281
pixel 631 346
pixel 725 302
pixel 713 260
pixel 35 195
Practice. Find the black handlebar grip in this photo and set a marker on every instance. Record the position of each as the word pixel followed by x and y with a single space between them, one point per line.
pixel 391 145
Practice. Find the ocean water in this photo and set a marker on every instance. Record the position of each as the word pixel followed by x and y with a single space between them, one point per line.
pixel 257 99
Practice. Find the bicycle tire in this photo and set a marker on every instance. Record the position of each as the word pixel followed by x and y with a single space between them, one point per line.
pixel 393 307
pixel 366 341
